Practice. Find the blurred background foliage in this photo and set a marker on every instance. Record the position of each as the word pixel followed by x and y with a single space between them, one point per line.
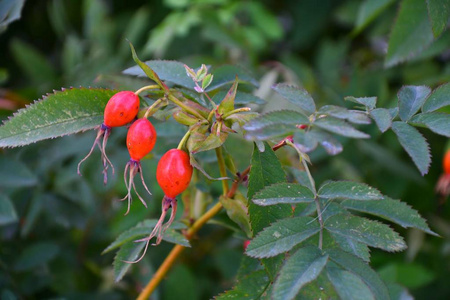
pixel 54 225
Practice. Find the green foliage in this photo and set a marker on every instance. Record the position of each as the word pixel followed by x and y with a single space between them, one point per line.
pixel 61 113
pixel 307 243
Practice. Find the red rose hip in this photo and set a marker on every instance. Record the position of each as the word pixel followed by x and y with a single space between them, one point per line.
pixel 141 139
pixel 120 110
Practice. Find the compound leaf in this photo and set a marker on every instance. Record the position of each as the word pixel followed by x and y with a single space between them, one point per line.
pixel 297 96
pixel 283 193
pixel 440 97
pixel 410 100
pixel 348 190
pixel 435 121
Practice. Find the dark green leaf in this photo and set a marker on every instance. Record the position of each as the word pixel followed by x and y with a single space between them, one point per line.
pixel 411 32
pixel 353 116
pixel 382 118
pixel 440 97
pixel 368 11
pixel 392 210
pixel 10 11
pixel 128 252
pixel 435 121
pixel 266 170
pixel 366 231
pixel 275 118
pixel 242 98
pixel 249 287
pixel 356 266
pixel 237 211
pixel 36 255
pixel 348 285
pixel 315 135
pixel 439 12
pixel 410 100
pixel 340 127
pixel 297 96
pixel 415 144
pixel 348 190
pixel 14 173
pixel 302 267
pixel 282 236
pixel 148 70
pixel 144 229
pixel 7 211
pixel 227 74
pixel 57 114
pixel 368 102
pixel 283 193
pixel 353 247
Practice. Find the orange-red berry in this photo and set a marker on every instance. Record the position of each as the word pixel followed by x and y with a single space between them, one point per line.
pixel 121 109
pixel 446 162
pixel 141 139
pixel 174 172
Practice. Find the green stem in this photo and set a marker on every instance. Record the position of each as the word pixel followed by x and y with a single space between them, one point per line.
pixel 184 139
pixel 154 107
pixel 192 111
pixel 148 87
pixel 222 169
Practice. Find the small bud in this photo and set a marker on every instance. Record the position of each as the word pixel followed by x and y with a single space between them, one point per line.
pixel 190 73
pixel 198 89
pixel 201 73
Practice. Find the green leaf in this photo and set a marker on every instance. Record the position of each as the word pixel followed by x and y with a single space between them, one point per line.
pixel 382 118
pixel 410 100
pixel 35 64
pixel 128 252
pixel 242 98
pixel 144 229
pixel 249 287
pixel 438 98
pixel 340 127
pixel 356 266
pixel 393 210
pixel 368 11
pixel 167 70
pixel 410 34
pixel 14 173
pixel 10 11
pixel 308 141
pixel 148 70
pixel 353 116
pixel 265 170
pixel 209 142
pixel 283 193
pixel 302 267
pixel 435 121
pixel 353 247
pixel 237 211
pixel 227 74
pixel 8 213
pixel 415 144
pixel 348 285
pixel 227 104
pixel 368 102
pixel 348 190
pixel 366 231
pixel 297 96
pixel 36 255
pixel 276 118
pixel 439 12
pixel 282 236
pixel 61 113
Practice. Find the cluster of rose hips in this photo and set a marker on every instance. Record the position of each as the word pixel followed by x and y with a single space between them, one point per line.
pixel 173 172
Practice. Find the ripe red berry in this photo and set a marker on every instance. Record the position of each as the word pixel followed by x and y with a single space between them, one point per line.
pixel 121 109
pixel 141 139
pixel 446 162
pixel 174 172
